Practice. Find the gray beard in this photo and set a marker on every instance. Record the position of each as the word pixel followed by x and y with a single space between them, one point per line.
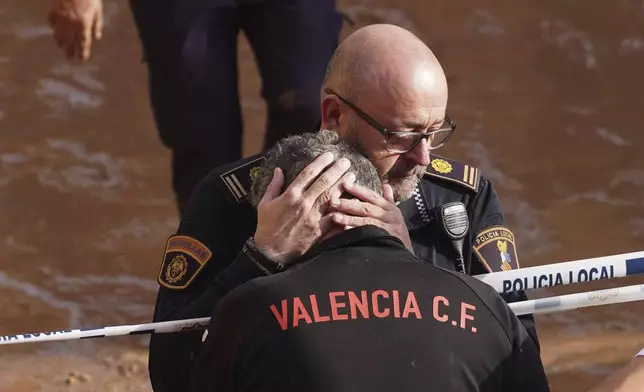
pixel 404 187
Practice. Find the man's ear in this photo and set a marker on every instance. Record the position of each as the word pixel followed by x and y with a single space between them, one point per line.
pixel 330 112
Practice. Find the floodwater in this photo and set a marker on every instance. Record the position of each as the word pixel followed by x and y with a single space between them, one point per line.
pixel 547 97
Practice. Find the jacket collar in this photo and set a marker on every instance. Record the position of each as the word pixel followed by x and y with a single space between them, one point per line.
pixel 373 235
pixel 416 210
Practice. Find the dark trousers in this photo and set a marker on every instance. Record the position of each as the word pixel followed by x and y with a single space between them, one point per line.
pixel 190 48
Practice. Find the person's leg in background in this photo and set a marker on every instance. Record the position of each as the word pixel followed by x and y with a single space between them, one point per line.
pixel 293 40
pixel 191 53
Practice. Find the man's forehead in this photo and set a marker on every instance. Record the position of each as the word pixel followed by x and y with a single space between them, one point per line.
pixel 404 97
pixel 425 117
pixel 410 114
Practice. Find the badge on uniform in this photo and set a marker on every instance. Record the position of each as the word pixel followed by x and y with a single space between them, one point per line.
pixel 239 179
pixel 184 258
pixel 453 171
pixel 496 248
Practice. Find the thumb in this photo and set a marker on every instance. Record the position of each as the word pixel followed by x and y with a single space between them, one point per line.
pixel 388 193
pixel 274 188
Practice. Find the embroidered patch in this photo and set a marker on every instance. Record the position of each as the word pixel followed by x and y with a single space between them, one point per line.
pixel 183 259
pixel 451 170
pixel 496 248
pixel 239 179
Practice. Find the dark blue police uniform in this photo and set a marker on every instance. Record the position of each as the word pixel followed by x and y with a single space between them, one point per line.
pixel 190 48
pixel 203 262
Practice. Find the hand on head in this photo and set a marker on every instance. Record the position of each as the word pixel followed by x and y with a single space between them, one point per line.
pixel 369 208
pixel 289 222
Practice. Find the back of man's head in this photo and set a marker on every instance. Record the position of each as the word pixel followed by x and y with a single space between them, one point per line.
pixel 294 153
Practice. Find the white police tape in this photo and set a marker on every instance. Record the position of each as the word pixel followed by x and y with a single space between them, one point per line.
pixel 121 330
pixel 579 300
pixel 580 271
pixel 535 306
pixel 607 267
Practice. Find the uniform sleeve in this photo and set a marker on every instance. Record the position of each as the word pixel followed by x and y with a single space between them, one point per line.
pixel 214 369
pixel 489 227
pixel 522 370
pixel 210 220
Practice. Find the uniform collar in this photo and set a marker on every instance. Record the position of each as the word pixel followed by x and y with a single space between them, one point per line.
pixel 416 211
pixel 372 235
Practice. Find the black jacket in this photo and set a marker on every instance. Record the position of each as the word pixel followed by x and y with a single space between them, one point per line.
pixel 203 260
pixel 361 313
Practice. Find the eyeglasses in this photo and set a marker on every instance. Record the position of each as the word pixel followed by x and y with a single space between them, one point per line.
pixel 404 141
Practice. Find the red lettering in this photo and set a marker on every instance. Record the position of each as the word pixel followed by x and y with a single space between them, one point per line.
pixel 300 312
pixel 359 304
pixel 281 316
pixel 464 316
pixel 337 305
pixel 396 301
pixel 437 300
pixel 316 311
pixel 411 306
pixel 374 303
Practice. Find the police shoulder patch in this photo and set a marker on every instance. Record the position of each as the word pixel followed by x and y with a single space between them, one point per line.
pixel 496 248
pixel 184 258
pixel 239 179
pixel 451 170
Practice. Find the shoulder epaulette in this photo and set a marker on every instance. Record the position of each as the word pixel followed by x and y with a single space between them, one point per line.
pixel 451 170
pixel 239 179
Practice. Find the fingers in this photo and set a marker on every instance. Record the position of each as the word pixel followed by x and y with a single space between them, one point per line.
pixel 309 174
pixel 97 28
pixel 75 34
pixel 334 192
pixel 274 187
pixel 65 37
pixel 354 221
pixel 358 208
pixel 84 46
pixel 328 179
pixel 70 49
pixel 366 194
pixel 388 193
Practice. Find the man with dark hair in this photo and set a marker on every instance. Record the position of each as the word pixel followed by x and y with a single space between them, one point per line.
pixel 385 93
pixel 359 312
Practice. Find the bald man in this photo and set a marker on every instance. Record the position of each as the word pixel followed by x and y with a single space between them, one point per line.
pixel 384 92
pixel 359 312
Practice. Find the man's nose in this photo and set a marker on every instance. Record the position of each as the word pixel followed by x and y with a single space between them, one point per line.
pixel 419 154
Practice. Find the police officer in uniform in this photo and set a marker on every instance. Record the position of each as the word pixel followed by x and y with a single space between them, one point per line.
pixel 359 312
pixel 190 48
pixel 386 94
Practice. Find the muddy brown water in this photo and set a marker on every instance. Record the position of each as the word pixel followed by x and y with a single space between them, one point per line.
pixel 547 97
